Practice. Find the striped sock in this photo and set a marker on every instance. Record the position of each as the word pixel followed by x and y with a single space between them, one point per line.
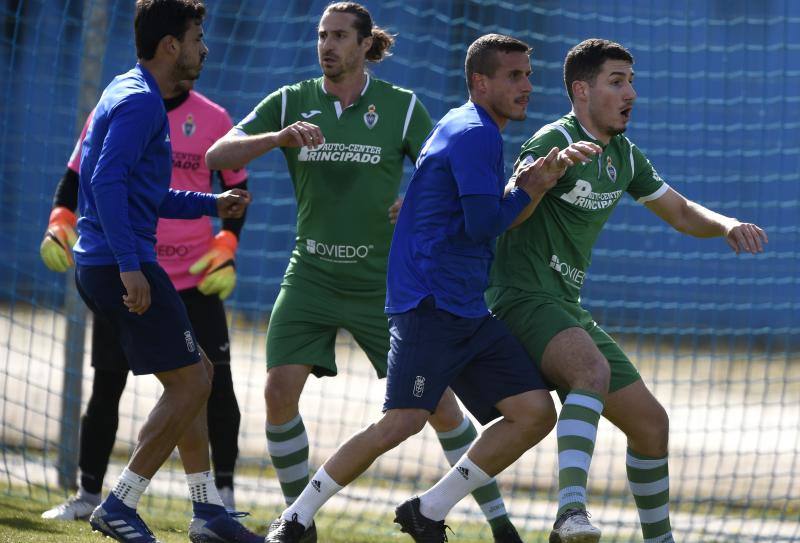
pixel 288 448
pixel 576 430
pixel 649 481
pixel 455 443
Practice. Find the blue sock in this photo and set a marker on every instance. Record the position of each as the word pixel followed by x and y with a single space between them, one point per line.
pixel 207 511
pixel 112 503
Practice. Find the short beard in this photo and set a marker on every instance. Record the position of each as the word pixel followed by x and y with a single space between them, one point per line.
pixel 183 70
pixel 334 74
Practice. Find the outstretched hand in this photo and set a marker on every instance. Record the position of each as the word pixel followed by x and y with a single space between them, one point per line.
pixel 746 237
pixel 539 176
pixel 232 203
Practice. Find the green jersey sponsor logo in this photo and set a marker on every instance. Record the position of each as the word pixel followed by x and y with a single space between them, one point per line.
pixel 568 272
pixel 341 152
pixel 340 253
pixel 583 196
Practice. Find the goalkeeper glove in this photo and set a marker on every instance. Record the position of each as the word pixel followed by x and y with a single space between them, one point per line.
pixel 56 247
pixel 217 265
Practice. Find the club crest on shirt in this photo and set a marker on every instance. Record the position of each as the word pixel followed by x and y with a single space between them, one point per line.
pixel 188 126
pixel 187 336
pixel 370 117
pixel 611 170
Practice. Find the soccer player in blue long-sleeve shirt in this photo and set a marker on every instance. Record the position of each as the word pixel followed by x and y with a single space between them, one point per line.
pixel 124 187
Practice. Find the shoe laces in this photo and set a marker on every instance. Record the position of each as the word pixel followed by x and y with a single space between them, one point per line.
pixel 581 516
pixel 445 527
pixel 290 527
pixel 440 529
pixel 75 498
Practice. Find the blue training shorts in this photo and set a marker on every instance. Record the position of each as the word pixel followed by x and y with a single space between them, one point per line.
pixel 161 339
pixel 479 358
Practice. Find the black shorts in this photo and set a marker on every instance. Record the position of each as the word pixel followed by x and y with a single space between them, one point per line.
pixel 161 339
pixel 478 358
pixel 207 315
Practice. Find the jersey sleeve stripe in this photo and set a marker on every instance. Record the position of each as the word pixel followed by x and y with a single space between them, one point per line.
pixel 630 157
pixel 283 107
pixel 655 195
pixel 563 131
pixel 408 115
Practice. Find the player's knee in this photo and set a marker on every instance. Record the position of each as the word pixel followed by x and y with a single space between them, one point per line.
pixel 532 413
pixel 448 414
pixel 660 433
pixel 396 427
pixel 597 375
pixel 194 388
pixel 282 391
pixel 281 403
pixel 652 439
pixel 539 419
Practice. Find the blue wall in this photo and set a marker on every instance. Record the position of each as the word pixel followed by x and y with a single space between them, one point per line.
pixel 718 114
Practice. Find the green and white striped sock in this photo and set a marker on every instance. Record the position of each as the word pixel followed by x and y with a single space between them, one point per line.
pixel 455 443
pixel 576 430
pixel 288 448
pixel 649 481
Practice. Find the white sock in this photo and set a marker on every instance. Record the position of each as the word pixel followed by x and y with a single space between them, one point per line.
pixel 463 478
pixel 314 495
pixel 130 487
pixel 87 496
pixel 202 488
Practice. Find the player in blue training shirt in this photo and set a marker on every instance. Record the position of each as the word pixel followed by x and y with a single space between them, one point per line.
pixel 126 164
pixel 441 331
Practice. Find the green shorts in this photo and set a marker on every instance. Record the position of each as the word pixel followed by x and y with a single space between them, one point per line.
pixel 305 319
pixel 535 319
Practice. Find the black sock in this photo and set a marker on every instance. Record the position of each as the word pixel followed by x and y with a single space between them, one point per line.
pixel 99 428
pixel 223 426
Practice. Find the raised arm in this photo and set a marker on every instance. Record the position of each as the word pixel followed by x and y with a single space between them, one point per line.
pixel 691 218
pixel 538 175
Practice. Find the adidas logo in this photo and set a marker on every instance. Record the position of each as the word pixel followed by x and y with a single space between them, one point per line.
pixel 317 485
pixel 464 472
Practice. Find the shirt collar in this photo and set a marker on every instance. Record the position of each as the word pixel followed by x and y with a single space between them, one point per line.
pixel 585 131
pixel 176 101
pixel 363 91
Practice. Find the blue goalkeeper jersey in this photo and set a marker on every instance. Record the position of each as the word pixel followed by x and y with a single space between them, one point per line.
pixel 126 166
pixel 432 253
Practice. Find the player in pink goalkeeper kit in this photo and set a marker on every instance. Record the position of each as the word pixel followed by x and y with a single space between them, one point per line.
pixel 200 266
